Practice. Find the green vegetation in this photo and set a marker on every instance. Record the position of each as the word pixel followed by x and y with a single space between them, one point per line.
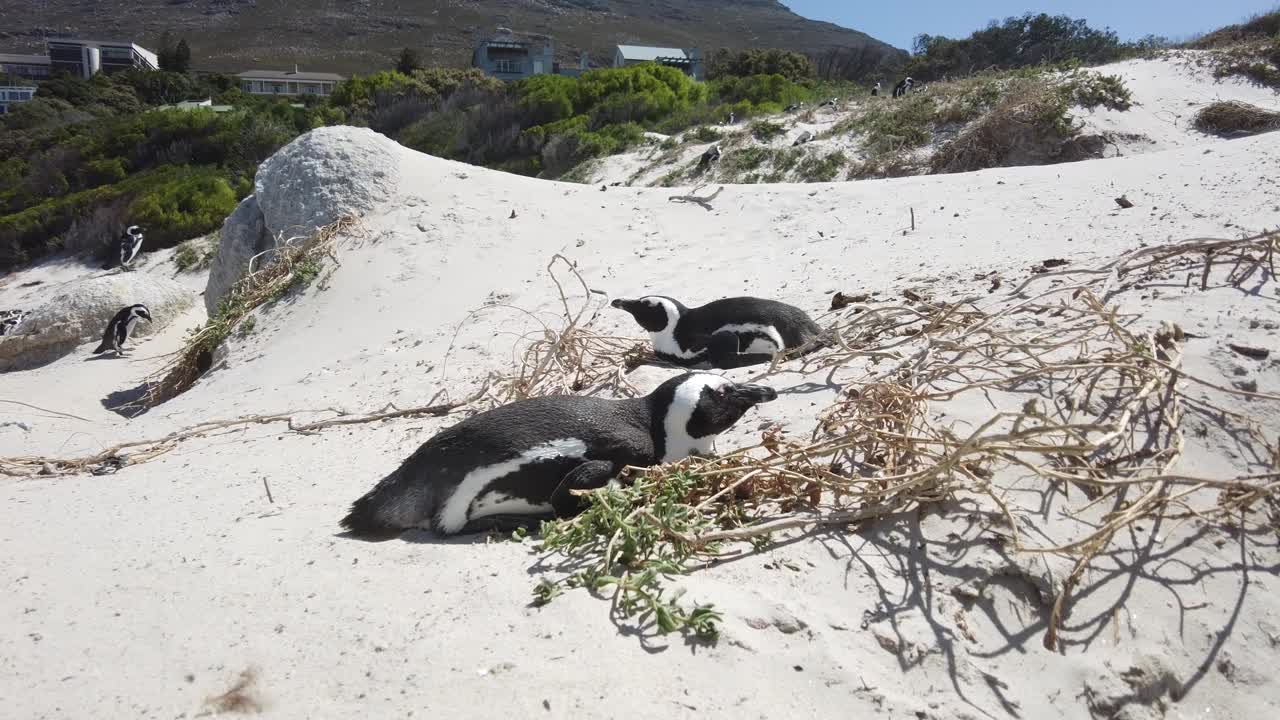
pixel 793 66
pixel 622 545
pixel 1018 42
pixel 822 169
pixel 764 131
pixel 196 254
pixel 1264 26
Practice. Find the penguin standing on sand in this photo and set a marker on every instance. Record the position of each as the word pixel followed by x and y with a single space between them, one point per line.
pixel 130 244
pixel 875 90
pixel 522 460
pixel 121 327
pixel 729 333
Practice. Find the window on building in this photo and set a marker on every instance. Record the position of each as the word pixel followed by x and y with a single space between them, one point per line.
pixel 506 66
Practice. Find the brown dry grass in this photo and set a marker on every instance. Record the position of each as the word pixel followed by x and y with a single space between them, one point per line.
pixel 1235 118
pixel 1024 128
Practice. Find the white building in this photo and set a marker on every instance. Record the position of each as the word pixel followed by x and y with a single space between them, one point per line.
pixel 687 61
pixel 283 82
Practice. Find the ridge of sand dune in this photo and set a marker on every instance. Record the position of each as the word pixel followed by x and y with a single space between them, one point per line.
pixel 147 592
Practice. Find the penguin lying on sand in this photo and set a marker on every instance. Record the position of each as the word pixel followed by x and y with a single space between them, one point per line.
pixel 121 327
pixel 500 467
pixel 729 333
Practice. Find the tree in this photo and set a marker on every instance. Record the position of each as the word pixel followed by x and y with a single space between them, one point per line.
pixel 182 57
pixel 408 61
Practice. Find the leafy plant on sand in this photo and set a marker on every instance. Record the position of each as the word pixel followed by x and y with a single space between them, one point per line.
pixel 627 534
pixel 196 254
pixel 823 168
pixel 1091 89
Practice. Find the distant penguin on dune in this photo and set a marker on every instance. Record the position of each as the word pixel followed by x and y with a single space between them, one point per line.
pixel 522 461
pixel 129 245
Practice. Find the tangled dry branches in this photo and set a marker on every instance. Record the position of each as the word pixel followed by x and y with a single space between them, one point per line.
pixel 1099 407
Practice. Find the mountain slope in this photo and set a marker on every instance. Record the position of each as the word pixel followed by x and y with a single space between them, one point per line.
pixel 360 35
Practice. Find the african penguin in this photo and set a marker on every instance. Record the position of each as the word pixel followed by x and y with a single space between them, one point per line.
pixel 129 244
pixel 10 320
pixel 503 466
pixel 729 333
pixel 875 90
pixel 121 327
pixel 903 87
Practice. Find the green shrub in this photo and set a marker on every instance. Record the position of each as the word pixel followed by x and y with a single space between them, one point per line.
pixel 1089 90
pixel 822 169
pixel 196 254
pixel 193 205
pixel 764 131
pixel 704 134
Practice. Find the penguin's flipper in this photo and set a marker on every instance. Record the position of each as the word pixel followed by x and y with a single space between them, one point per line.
pixel 589 475
pixel 722 350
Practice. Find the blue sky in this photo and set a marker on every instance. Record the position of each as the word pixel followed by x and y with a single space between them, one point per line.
pixel 897 22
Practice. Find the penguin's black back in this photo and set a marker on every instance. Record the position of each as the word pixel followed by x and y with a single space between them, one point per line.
pixel 617 431
pixel 698 324
pixel 117 328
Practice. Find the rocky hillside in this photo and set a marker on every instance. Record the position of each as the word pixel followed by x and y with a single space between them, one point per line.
pixel 363 34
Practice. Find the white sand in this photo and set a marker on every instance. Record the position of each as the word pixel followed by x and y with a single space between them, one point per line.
pixel 143 593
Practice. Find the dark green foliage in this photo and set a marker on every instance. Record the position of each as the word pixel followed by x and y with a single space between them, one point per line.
pixel 1023 41
pixel 173 57
pixel 793 66
pixel 408 61
pixel 822 169
pixel 705 134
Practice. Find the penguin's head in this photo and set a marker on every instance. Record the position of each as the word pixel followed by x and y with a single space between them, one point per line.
pixel 134 230
pixel 141 312
pixel 703 405
pixel 654 313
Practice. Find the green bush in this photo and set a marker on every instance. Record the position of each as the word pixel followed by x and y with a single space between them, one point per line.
pixel 195 204
pixel 764 131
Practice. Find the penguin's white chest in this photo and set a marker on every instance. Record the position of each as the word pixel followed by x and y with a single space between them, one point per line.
pixel 472 499
pixel 129 325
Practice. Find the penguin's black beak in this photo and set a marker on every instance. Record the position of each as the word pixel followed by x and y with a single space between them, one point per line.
pixel 623 304
pixel 755 394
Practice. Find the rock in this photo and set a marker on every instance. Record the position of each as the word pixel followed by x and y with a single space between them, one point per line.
pixel 1257 353
pixel 243 236
pixel 1142 691
pixel 325 174
pixel 311 182
pixel 81 312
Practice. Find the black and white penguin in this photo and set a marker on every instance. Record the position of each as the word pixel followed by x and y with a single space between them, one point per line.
pixel 129 244
pixel 802 138
pixel 711 155
pixel 121 327
pixel 520 461
pixel 903 87
pixel 10 320
pixel 729 333
pixel 875 90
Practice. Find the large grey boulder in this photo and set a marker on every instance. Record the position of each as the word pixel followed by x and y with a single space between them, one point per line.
pixel 80 312
pixel 244 235
pixel 314 180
